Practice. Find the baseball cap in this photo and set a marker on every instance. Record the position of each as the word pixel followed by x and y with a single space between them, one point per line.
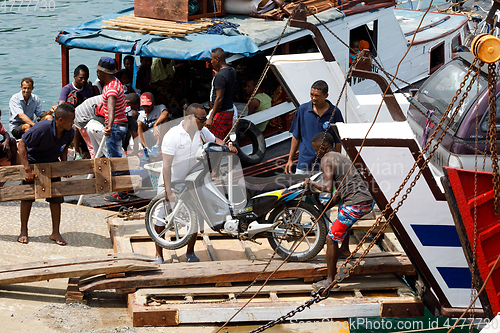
pixel 147 99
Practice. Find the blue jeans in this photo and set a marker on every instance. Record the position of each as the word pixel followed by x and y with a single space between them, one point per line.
pixel 115 140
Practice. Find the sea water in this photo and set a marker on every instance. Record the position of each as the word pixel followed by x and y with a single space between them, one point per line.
pixel 28 29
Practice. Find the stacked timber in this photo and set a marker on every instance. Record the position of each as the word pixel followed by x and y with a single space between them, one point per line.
pixel 143 25
pixel 318 6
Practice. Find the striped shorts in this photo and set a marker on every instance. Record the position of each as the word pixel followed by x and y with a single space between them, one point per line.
pixel 346 218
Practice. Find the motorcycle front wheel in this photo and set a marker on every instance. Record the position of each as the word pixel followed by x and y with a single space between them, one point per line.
pixel 297 228
pixel 181 222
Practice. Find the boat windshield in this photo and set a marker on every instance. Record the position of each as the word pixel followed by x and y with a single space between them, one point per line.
pixel 438 91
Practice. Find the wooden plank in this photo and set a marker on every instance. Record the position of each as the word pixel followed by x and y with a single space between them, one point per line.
pixel 402 308
pixel 126 183
pixel 73 261
pixel 72 168
pixel 363 282
pixel 143 316
pixel 157 25
pixel 165 23
pixel 19 192
pixel 242 270
pixel 152 32
pixel 141 27
pixel 11 173
pixel 73 187
pixel 121 243
pixel 76 270
pixel 210 248
pixel 103 175
pixel 43 182
pixel 259 310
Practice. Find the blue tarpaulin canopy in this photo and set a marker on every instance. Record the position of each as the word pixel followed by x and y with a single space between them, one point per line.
pixel 251 35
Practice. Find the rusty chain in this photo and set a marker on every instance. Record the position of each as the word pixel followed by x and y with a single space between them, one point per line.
pixel 344 271
pixel 492 122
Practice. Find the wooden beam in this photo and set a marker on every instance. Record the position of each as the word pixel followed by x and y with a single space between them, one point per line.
pixel 243 271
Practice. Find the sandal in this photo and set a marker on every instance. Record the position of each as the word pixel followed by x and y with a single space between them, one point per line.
pixel 320 284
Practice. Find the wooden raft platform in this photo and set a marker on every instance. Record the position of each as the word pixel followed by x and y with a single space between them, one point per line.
pixel 228 265
pixel 143 25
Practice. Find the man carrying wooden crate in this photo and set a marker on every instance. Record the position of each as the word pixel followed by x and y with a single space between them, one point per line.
pixel 47 141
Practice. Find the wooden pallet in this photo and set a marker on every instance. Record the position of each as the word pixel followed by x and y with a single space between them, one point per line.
pixel 156 27
pixel 384 295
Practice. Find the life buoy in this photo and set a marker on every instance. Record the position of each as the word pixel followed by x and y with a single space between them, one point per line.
pixel 246 128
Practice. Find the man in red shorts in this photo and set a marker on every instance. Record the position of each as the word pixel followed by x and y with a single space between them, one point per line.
pixel 220 118
pixel 352 193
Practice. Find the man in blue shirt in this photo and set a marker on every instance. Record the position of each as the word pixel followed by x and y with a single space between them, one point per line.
pixel 310 119
pixel 25 109
pixel 46 142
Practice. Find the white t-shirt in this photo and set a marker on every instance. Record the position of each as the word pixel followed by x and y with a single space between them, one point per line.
pixel 177 142
pixel 150 119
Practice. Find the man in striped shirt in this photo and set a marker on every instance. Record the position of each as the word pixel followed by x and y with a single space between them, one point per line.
pixel 116 123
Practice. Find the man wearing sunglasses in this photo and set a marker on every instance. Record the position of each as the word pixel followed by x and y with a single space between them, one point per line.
pixel 179 147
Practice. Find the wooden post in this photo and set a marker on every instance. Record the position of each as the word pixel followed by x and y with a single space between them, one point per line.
pixel 43 184
pixel 118 59
pixel 64 65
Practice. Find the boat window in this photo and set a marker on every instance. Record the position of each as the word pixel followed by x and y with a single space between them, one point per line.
pixel 455 43
pixel 367 32
pixel 437 58
pixel 484 121
pixel 437 92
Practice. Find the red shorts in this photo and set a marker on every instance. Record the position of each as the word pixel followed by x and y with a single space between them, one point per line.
pixel 223 121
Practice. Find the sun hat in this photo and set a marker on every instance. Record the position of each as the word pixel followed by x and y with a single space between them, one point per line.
pixel 107 65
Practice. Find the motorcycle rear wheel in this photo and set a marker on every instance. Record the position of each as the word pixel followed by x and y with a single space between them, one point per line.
pixel 181 230
pixel 311 245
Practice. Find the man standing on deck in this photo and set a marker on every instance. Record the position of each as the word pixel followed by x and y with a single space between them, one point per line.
pixel 25 109
pixel 311 118
pixel 179 147
pixel 46 142
pixel 115 117
pixel 352 193
pixel 220 118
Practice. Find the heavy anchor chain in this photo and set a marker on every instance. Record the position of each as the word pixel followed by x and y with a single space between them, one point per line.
pixel 345 271
pixel 316 298
pixel 492 122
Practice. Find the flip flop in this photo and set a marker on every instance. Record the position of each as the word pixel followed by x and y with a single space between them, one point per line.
pixel 158 260
pixel 192 258
pixel 320 284
pixel 22 242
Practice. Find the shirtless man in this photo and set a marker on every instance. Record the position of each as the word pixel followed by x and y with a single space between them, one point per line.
pixel 351 190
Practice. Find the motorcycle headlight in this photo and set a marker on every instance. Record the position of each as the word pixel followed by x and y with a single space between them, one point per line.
pixel 454 162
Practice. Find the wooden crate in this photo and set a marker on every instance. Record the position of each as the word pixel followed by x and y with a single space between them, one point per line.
pixel 176 10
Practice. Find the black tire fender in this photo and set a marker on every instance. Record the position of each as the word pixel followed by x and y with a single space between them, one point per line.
pixel 249 129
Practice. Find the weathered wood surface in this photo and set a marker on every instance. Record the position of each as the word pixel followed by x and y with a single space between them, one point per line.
pixel 44 188
pixel 74 267
pixel 243 271
pixel 360 296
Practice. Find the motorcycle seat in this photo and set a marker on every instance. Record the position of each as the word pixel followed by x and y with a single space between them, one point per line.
pixel 256 185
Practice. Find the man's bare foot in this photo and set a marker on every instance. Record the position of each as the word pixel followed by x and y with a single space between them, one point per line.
pixel 58 239
pixel 22 238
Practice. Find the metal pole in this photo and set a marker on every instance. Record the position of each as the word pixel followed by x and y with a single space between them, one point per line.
pixel 230 176
pixel 99 151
